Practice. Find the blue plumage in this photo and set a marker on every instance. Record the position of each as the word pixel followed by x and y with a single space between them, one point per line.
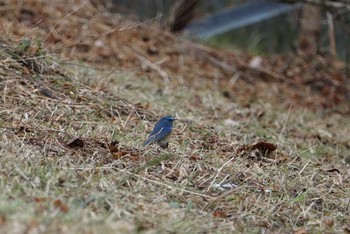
pixel 161 132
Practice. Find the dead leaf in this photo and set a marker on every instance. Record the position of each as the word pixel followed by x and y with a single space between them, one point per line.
pixel 333 170
pixel 114 146
pixel 218 213
pixel 119 152
pixel 39 199
pixel 263 147
pixel 300 231
pixel 58 204
pixel 258 150
pixel 2 219
pixel 47 92
pixel 195 157
pixel 76 143
pixel 328 222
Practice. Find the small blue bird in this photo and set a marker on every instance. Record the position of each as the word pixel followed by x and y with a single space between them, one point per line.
pixel 161 132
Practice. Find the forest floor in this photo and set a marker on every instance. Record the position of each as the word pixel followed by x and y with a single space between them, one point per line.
pixel 259 144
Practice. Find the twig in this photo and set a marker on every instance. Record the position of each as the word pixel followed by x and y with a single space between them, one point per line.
pixel 332 44
pixel 284 125
pixel 154 67
pixel 144 178
pixel 218 172
pixel 301 171
pixel 52 28
pixel 204 52
pixel 274 75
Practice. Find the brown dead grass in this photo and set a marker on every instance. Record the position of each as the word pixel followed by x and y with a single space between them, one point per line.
pixel 80 30
pixel 71 156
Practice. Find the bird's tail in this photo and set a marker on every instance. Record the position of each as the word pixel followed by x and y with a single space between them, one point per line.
pixel 148 141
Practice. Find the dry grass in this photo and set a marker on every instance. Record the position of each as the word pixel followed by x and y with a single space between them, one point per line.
pixel 71 135
pixel 211 179
pixel 84 31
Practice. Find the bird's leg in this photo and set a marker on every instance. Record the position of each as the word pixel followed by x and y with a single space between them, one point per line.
pixel 164 145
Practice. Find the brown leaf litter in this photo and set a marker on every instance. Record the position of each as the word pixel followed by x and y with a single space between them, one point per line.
pixel 79 30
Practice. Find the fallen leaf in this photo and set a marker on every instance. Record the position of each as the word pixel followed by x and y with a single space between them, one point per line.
pixel 258 149
pixel 218 213
pixel 195 157
pixel 2 219
pixel 328 222
pixel 263 147
pixel 61 206
pixel 47 92
pixel 76 143
pixel 119 152
pixel 40 199
pixel 333 170
pixel 300 231
pixel 114 146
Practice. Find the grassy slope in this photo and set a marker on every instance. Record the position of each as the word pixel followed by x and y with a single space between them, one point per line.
pixel 49 186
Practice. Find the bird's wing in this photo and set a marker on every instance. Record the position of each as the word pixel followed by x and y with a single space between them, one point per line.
pixel 157 135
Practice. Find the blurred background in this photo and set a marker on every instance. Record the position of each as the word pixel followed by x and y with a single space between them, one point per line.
pixel 259 27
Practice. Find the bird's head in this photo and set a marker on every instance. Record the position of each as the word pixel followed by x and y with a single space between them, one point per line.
pixel 167 120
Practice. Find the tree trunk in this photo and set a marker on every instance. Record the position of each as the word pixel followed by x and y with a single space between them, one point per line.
pixel 182 14
pixel 310 30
